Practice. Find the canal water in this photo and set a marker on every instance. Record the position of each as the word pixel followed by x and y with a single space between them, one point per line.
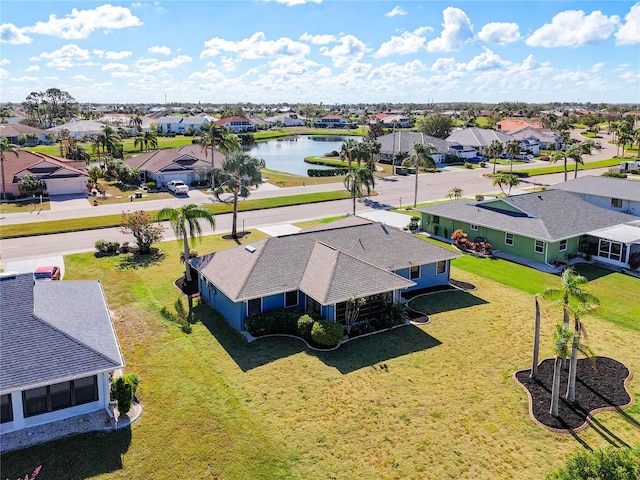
pixel 287 154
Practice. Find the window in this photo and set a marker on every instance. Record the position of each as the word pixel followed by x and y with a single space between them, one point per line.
pixel 441 267
pixel 436 219
pixel 473 227
pixel 254 306
pixel 313 306
pixel 539 246
pixel 6 408
pixel 563 245
pixel 612 250
pixel 291 299
pixel 60 395
pixel 415 272
pixel 508 238
pixel 616 203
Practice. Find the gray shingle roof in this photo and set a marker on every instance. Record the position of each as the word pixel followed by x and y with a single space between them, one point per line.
pixel 53 330
pixel 402 141
pixel 332 263
pixel 551 215
pixel 477 137
pixel 621 188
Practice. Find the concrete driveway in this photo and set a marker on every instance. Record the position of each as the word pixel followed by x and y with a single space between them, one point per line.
pixel 29 265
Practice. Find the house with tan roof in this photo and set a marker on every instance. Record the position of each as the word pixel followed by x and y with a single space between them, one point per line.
pixel 13 132
pixel 188 163
pixel 61 175
pixel 58 349
pixel 319 269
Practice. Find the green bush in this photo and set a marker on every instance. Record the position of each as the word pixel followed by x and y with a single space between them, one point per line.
pixel 479 197
pixel 332 172
pixel 305 324
pixel 105 246
pixel 614 173
pixel 274 321
pixel 123 389
pixel 517 173
pixel 327 333
pixel 176 318
pixel 610 463
pixel 151 185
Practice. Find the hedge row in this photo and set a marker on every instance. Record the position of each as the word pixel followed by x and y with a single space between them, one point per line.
pixel 333 172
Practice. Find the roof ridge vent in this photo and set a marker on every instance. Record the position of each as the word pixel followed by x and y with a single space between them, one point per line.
pixel 250 248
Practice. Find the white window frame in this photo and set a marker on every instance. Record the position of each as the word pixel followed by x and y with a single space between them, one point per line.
pixel 439 264
pixel 509 239
pixel 473 227
pixel 535 246
pixel 411 270
pixel 563 245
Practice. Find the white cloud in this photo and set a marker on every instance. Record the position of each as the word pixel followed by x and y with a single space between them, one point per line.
pixel 82 78
pixel 317 39
pixel 443 65
pixel 632 77
pixel 3 73
pixel 9 33
pixel 500 33
pixel 155 65
pixel 408 42
pixel 255 47
pixel 596 67
pixel 82 23
pixel 293 3
pixel 485 61
pixel 456 31
pixel 119 74
pixel 349 50
pixel 5 61
pixel 66 57
pixel 163 50
pixel 110 55
pixel 396 11
pixel 573 28
pixel 33 68
pixel 568 76
pixel 25 79
pixel 629 32
pixel 114 67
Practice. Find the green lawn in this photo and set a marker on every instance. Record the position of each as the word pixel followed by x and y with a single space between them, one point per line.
pixel 24 205
pixel 557 168
pixel 435 401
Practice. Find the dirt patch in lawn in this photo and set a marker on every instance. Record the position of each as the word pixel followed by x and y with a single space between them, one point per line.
pixel 601 388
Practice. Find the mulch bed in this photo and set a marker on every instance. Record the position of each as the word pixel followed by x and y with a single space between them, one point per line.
pixel 602 388
pixel 188 288
pixel 462 285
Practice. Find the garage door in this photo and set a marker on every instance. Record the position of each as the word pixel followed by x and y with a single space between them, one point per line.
pixel 65 186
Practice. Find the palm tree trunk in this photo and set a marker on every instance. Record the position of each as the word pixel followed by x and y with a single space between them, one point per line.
pixel 234 231
pixel 353 197
pixel 565 169
pixel 555 390
pixel 185 244
pixel 4 188
pixel 415 193
pixel 494 165
pixel 536 343
pixel 573 363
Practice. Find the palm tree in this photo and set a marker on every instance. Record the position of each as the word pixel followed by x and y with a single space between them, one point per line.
pixel 494 150
pixel 5 146
pixel 372 148
pixel 424 159
pixel 455 193
pixel 183 219
pixel 571 288
pixel 536 342
pixel 512 149
pixel 239 171
pixel 148 139
pixel 356 180
pixel 136 121
pixel 218 138
pixel 577 345
pixel 504 179
pixel 349 152
pixel 561 338
pixel 576 151
pixel 110 139
pixel 97 145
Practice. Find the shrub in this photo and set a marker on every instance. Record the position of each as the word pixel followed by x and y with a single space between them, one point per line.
pixel 479 197
pixel 483 164
pixel 151 185
pixel 305 324
pixel 327 333
pixel 393 314
pixel 107 247
pixel 413 224
pixel 611 463
pixel 180 318
pixel 123 389
pixel 544 158
pixel 274 321
pixel 332 172
pixel 468 165
pixel 614 173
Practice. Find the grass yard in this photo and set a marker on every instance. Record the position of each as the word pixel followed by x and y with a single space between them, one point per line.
pixel 24 206
pixel 430 402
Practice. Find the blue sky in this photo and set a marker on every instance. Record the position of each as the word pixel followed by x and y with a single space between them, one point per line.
pixel 330 51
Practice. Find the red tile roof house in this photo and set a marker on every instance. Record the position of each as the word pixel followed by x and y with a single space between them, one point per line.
pixel 58 349
pixel 62 176
pixel 319 269
pixel 187 163
pixel 237 124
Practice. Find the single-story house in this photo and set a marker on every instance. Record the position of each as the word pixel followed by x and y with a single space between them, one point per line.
pixel 58 350
pixel 237 124
pixel 187 163
pixel 533 139
pixel 285 121
pixel 61 175
pixel 510 125
pixel 331 121
pixel 319 269
pixel 402 141
pixel 477 138
pixel 618 194
pixel 78 128
pixel 13 133
pixel 541 226
pixel 393 121
pixel 175 124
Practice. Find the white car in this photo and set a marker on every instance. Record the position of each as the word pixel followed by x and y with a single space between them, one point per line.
pixel 177 187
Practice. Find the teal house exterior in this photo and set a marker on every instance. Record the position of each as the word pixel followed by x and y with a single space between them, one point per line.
pixel 546 227
pixel 320 269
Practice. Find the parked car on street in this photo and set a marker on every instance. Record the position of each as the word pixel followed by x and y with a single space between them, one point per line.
pixel 177 187
pixel 47 273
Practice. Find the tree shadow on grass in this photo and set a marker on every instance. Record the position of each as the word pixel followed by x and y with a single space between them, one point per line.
pixel 445 301
pixel 356 354
pixel 80 456
pixel 135 261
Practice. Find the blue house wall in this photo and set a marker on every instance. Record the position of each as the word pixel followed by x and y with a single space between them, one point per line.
pixel 235 313
pixel 428 276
